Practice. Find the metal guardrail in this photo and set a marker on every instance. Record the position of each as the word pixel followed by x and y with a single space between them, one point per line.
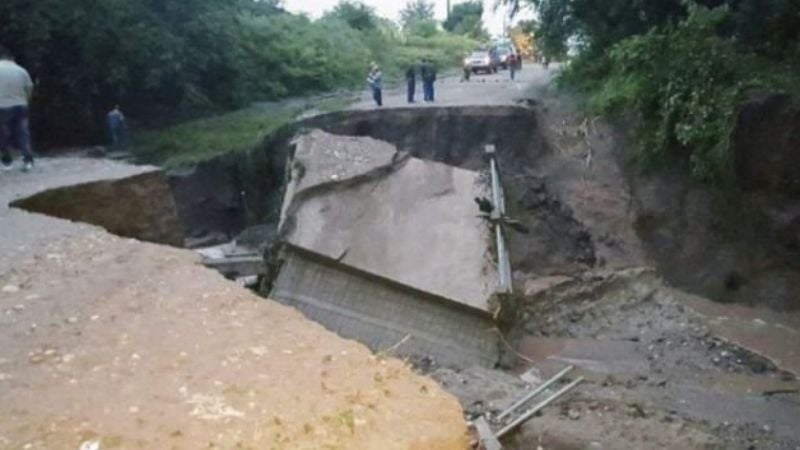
pixel 504 285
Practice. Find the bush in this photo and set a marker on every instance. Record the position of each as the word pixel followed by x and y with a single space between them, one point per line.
pixel 685 82
pixel 285 54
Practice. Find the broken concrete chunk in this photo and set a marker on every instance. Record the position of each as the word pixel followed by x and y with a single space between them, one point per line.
pixel 415 223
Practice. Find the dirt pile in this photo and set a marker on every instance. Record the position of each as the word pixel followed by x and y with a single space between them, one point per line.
pixel 112 343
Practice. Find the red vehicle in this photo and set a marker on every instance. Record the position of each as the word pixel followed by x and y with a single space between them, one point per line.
pixel 508 55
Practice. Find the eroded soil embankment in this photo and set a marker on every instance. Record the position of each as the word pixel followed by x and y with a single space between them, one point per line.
pixel 113 343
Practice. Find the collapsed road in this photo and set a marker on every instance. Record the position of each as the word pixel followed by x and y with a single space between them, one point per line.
pixel 368 225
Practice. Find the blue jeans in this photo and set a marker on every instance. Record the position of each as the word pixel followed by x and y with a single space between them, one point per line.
pixel 15 132
pixel 117 135
pixel 427 86
pixel 412 87
pixel 377 95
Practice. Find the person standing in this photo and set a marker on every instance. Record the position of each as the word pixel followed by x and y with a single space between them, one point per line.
pixel 16 89
pixel 115 121
pixel 375 81
pixel 428 79
pixel 512 65
pixel 411 82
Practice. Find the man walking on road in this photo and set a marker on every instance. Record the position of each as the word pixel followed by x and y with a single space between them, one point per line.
pixel 16 89
pixel 411 82
pixel 428 79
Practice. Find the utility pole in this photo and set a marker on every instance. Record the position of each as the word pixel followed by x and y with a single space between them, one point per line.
pixel 448 9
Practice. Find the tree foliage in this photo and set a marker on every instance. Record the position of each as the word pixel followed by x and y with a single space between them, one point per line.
pixel 683 66
pixel 467 19
pixel 416 12
pixel 170 59
pixel 356 14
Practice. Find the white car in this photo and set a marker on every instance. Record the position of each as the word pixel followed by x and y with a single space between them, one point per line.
pixel 481 61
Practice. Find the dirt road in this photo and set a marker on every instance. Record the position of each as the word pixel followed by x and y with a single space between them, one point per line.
pixel 23 232
pixel 112 343
pixel 481 90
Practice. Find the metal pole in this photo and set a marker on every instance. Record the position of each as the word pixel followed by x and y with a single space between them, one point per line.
pixel 496 188
pixel 502 261
pixel 498 213
pixel 535 392
pixel 537 408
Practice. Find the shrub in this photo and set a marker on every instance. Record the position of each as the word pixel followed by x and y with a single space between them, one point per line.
pixel 685 82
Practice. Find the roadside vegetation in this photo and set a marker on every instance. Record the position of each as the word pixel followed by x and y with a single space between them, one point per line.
pixel 680 68
pixel 166 61
pixel 202 139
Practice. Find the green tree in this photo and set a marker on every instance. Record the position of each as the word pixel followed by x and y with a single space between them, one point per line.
pixel 356 14
pixel 415 12
pixel 467 19
pixel 595 23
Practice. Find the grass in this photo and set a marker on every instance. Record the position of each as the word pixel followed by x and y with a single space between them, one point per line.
pixel 199 140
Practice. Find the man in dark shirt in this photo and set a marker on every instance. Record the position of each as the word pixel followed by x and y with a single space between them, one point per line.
pixel 411 82
pixel 428 79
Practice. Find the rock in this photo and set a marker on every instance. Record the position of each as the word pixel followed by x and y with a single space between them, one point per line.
pixel 573 414
pixel 10 288
pixel 90 445
pixel 534 286
pixel 206 240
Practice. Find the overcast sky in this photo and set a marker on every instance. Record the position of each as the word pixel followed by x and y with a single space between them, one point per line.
pixel 391 10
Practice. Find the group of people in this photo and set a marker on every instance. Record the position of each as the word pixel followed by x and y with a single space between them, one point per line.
pixel 16 91
pixel 426 71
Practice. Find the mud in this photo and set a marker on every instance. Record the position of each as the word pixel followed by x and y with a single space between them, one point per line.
pixel 656 374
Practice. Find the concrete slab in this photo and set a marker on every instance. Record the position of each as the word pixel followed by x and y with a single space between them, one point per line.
pixel 385 315
pixel 407 220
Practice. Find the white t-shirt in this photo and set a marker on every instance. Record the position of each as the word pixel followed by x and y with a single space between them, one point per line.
pixel 15 85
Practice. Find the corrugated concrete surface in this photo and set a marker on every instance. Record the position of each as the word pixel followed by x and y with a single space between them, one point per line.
pixel 381 313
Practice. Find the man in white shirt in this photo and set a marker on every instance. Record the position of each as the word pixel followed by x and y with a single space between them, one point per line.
pixel 16 89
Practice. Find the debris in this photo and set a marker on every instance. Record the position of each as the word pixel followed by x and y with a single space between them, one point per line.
pixel 209 407
pixel 780 391
pixel 528 414
pixel 535 392
pixel 90 445
pixel 258 351
pixel 10 288
pixel 486 438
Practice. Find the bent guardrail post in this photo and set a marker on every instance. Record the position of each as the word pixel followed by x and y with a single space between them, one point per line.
pixel 497 216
